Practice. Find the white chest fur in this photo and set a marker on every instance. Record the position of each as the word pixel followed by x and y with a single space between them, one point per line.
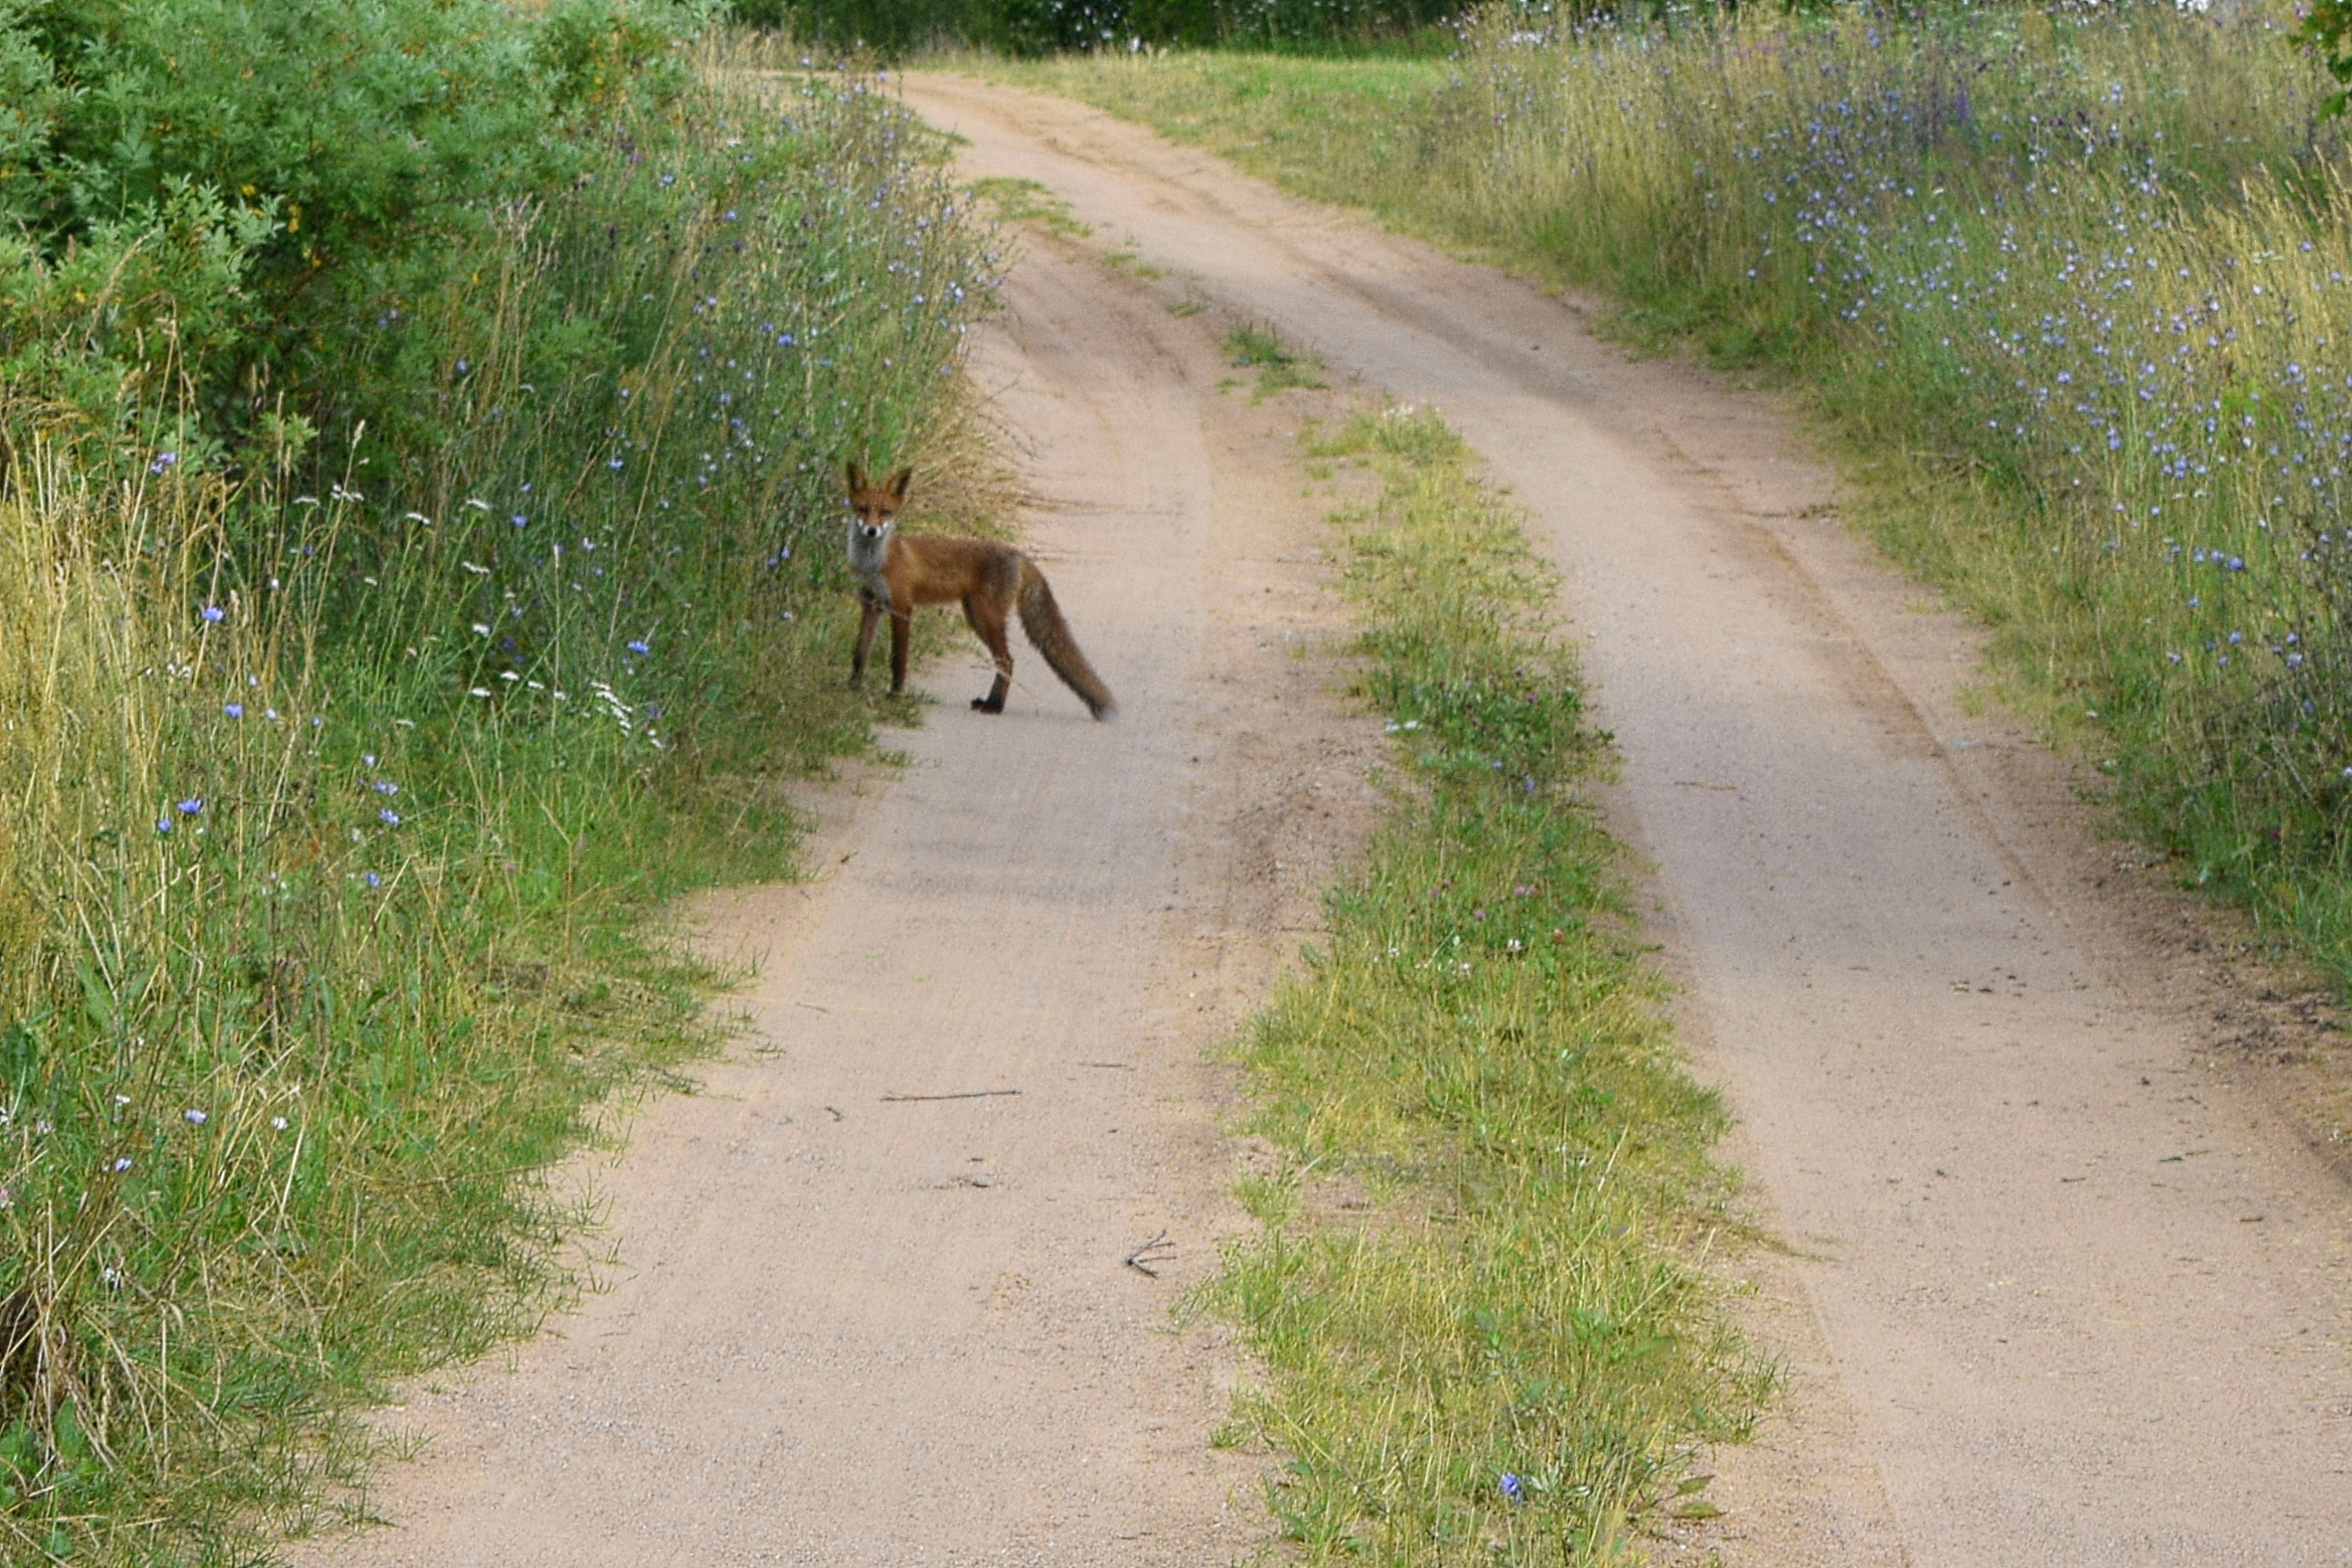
pixel 869 553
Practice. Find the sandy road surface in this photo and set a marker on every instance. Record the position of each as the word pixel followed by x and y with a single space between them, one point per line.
pixel 848 1329
pixel 2067 1298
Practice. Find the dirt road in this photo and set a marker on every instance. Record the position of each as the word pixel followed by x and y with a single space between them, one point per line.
pixel 2058 1295
pixel 2067 1297
pixel 846 1328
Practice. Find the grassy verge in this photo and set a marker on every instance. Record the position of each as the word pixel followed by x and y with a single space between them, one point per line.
pixel 350 747
pixel 1517 1358
pixel 2068 284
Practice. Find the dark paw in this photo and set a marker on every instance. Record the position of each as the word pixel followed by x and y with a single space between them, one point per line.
pixel 987 705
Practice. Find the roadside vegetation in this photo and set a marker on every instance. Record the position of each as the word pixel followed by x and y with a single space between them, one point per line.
pixel 1478 1293
pixel 421 426
pixel 2071 283
pixel 895 27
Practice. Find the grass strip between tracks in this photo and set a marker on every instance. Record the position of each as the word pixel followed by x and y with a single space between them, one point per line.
pixel 1476 1290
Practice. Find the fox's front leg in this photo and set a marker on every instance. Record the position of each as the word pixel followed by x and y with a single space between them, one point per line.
pixel 902 622
pixel 872 613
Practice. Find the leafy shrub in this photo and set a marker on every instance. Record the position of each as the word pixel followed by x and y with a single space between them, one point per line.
pixel 330 164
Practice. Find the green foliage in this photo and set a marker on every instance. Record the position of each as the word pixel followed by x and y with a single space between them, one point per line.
pixel 1500 1350
pixel 311 172
pixel 2326 30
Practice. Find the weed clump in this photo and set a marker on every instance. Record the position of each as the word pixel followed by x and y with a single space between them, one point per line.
pixel 1257 346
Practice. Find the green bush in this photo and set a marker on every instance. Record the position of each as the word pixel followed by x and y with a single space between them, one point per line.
pixel 331 163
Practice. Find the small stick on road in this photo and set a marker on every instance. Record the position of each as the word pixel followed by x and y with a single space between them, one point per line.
pixel 966 1094
pixel 1159 1250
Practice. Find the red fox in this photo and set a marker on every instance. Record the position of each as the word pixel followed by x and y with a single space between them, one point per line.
pixel 895 574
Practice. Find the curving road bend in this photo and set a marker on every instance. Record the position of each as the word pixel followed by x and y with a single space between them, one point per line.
pixel 2066 1297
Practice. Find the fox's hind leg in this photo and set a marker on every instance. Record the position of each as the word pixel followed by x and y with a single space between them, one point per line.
pixel 987 617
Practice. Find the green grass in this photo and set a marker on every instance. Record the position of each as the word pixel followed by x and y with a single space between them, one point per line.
pixel 1027 201
pixel 2066 287
pixel 1482 1255
pixel 339 799
pixel 1278 365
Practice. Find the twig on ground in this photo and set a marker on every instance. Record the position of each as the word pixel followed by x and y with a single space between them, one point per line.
pixel 1159 1250
pixel 965 1094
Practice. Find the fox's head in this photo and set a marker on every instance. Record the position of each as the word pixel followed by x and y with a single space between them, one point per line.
pixel 874 508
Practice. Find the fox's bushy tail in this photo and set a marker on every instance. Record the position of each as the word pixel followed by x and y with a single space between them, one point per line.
pixel 1041 619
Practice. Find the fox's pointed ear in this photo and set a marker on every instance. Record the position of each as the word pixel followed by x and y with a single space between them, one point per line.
pixel 856 476
pixel 899 481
